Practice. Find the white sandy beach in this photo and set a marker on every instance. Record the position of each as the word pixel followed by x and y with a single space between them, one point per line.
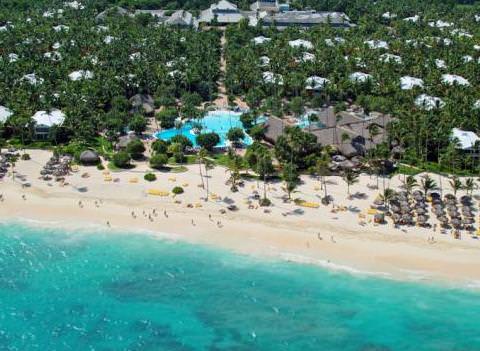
pixel 344 244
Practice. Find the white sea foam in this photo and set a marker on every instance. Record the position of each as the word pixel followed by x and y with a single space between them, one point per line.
pixel 330 265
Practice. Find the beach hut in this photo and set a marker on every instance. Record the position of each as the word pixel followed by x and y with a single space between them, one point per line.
pixel 89 157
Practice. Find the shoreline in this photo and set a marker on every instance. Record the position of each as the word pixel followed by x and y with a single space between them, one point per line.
pixel 345 246
pixel 407 276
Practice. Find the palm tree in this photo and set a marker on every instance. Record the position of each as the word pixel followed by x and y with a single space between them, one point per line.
pixel 409 184
pixel 234 167
pixel 264 168
pixel 470 186
pixel 290 177
pixel 321 167
pixel 201 156
pixel 456 185
pixel 349 178
pixel 427 184
pixel 387 196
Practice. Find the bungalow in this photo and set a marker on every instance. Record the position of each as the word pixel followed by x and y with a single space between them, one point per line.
pixel 465 140
pixel 45 120
pixel 5 113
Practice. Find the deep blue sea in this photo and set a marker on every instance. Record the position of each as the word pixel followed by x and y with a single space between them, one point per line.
pixel 98 291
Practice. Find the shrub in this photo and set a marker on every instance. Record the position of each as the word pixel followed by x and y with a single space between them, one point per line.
pixel 150 177
pixel 177 190
pixel 138 124
pixel 257 132
pixel 100 167
pixel 183 140
pixel 235 135
pixel 121 159
pixel 208 140
pixel 136 149
pixel 160 146
pixel 167 117
pixel 25 157
pixel 158 160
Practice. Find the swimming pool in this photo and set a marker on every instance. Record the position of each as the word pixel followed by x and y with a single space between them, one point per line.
pixel 219 122
pixel 304 122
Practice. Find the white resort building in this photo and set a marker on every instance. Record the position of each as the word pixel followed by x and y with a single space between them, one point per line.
pixel 262 12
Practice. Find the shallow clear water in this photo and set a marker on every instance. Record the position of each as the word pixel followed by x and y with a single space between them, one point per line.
pixel 96 291
pixel 219 122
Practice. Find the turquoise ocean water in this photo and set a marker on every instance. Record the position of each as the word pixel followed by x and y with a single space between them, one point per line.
pixel 97 291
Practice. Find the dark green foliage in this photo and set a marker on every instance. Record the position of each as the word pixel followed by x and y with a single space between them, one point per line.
pixel 150 177
pixel 182 140
pixel 167 118
pixel 177 190
pixel 138 124
pixel 235 135
pixel 158 161
pixel 297 147
pixel 160 146
pixel 121 159
pixel 136 149
pixel 208 140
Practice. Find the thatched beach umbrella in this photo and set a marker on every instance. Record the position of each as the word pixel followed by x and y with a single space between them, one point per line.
pixel 396 217
pixel 443 220
pixel 406 218
pixel 420 211
pixel 395 209
pixel 456 223
pixel 468 221
pixel 422 220
pixel 420 204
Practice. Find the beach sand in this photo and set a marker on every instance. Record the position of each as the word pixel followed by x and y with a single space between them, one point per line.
pixel 343 244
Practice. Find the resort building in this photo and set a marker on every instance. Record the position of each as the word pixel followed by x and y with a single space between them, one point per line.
pixel 223 12
pixel 45 120
pixel 271 13
pixel 351 132
pixel 265 5
pixel 302 19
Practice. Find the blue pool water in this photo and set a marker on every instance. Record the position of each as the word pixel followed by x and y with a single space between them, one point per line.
pixel 219 122
pixel 304 123
pixel 101 291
